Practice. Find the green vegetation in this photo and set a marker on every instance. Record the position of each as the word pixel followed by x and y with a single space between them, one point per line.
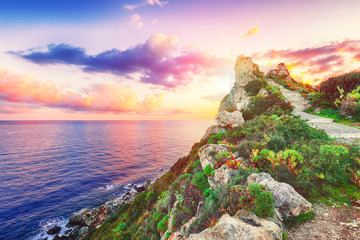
pixel 258 200
pixel 272 140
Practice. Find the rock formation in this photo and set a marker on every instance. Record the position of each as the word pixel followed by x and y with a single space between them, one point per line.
pixel 228 114
pixel 280 72
pixel 286 200
pixel 243 226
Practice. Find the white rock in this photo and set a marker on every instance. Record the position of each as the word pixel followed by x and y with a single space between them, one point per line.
pixel 286 200
pixel 243 226
pixel 233 119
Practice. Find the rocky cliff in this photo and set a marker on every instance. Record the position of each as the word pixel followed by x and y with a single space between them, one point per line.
pixel 248 177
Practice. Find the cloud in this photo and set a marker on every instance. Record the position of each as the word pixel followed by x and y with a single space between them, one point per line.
pixel 145 3
pixel 135 20
pixel 332 58
pixel 252 32
pixel 158 61
pixel 215 97
pixel 98 98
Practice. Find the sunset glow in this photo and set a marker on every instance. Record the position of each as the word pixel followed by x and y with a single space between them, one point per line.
pixel 152 59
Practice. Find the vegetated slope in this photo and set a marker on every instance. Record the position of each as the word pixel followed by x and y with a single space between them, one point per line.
pixel 216 185
pixel 348 82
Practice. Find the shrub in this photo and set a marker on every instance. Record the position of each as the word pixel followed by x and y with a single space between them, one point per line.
pixel 167 235
pixel 258 200
pixel 217 137
pixel 200 181
pixel 162 225
pixel 253 87
pixel 261 104
pixel 276 143
pixel 208 171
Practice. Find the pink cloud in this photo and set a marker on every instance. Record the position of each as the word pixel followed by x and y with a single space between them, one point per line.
pixel 108 97
pixel 326 59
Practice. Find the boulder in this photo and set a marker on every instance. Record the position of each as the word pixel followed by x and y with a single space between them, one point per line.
pixel 113 205
pixel 78 218
pixel 78 232
pixel 54 230
pixel 208 152
pixel 280 72
pixel 221 177
pixel 213 129
pixel 96 216
pixel 229 119
pixel 286 200
pixel 243 226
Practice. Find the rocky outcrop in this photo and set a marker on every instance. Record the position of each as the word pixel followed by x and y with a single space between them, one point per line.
pixel 286 200
pixel 213 129
pixel 237 99
pixel 227 119
pixel 221 177
pixel 208 152
pixel 280 72
pixel 243 226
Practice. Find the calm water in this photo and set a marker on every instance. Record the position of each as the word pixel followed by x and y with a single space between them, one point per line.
pixel 49 170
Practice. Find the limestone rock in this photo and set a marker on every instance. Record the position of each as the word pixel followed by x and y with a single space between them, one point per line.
pixel 78 218
pixel 244 73
pixel 215 129
pixel 221 177
pixel 280 72
pixel 96 216
pixel 286 200
pixel 232 119
pixel 208 152
pixel 243 226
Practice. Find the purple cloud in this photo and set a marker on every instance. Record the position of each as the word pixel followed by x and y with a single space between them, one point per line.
pixel 158 61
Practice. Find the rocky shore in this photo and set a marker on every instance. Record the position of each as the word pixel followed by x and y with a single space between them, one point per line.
pixel 86 219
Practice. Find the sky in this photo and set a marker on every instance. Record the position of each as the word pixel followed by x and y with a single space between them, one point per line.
pixel 160 60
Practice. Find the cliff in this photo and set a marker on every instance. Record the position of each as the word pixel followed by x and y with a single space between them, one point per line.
pixel 255 174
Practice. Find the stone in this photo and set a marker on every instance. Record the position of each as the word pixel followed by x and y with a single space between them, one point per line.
pixel 243 226
pixel 208 152
pixel 280 72
pixel 221 177
pixel 57 237
pixel 140 188
pixel 244 73
pixel 147 184
pixel 229 119
pixel 213 129
pixel 113 205
pixel 96 216
pixel 286 200
pixel 54 230
pixel 78 218
pixel 78 232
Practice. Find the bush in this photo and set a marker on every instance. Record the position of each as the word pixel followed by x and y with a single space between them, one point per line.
pixel 253 87
pixel 258 200
pixel 200 181
pixel 208 171
pixel 162 226
pixel 277 143
pixel 218 137
pixel 261 104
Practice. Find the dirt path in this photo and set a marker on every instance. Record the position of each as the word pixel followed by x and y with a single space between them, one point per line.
pixel 337 130
pixel 336 223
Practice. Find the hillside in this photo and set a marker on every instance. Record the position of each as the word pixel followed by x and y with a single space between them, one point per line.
pixel 258 173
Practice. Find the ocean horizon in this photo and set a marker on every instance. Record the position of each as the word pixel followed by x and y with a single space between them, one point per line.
pixel 52 169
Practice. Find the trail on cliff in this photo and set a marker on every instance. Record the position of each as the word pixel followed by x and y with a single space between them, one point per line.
pixel 331 128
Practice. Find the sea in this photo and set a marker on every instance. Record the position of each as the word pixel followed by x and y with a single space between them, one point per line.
pixel 51 169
